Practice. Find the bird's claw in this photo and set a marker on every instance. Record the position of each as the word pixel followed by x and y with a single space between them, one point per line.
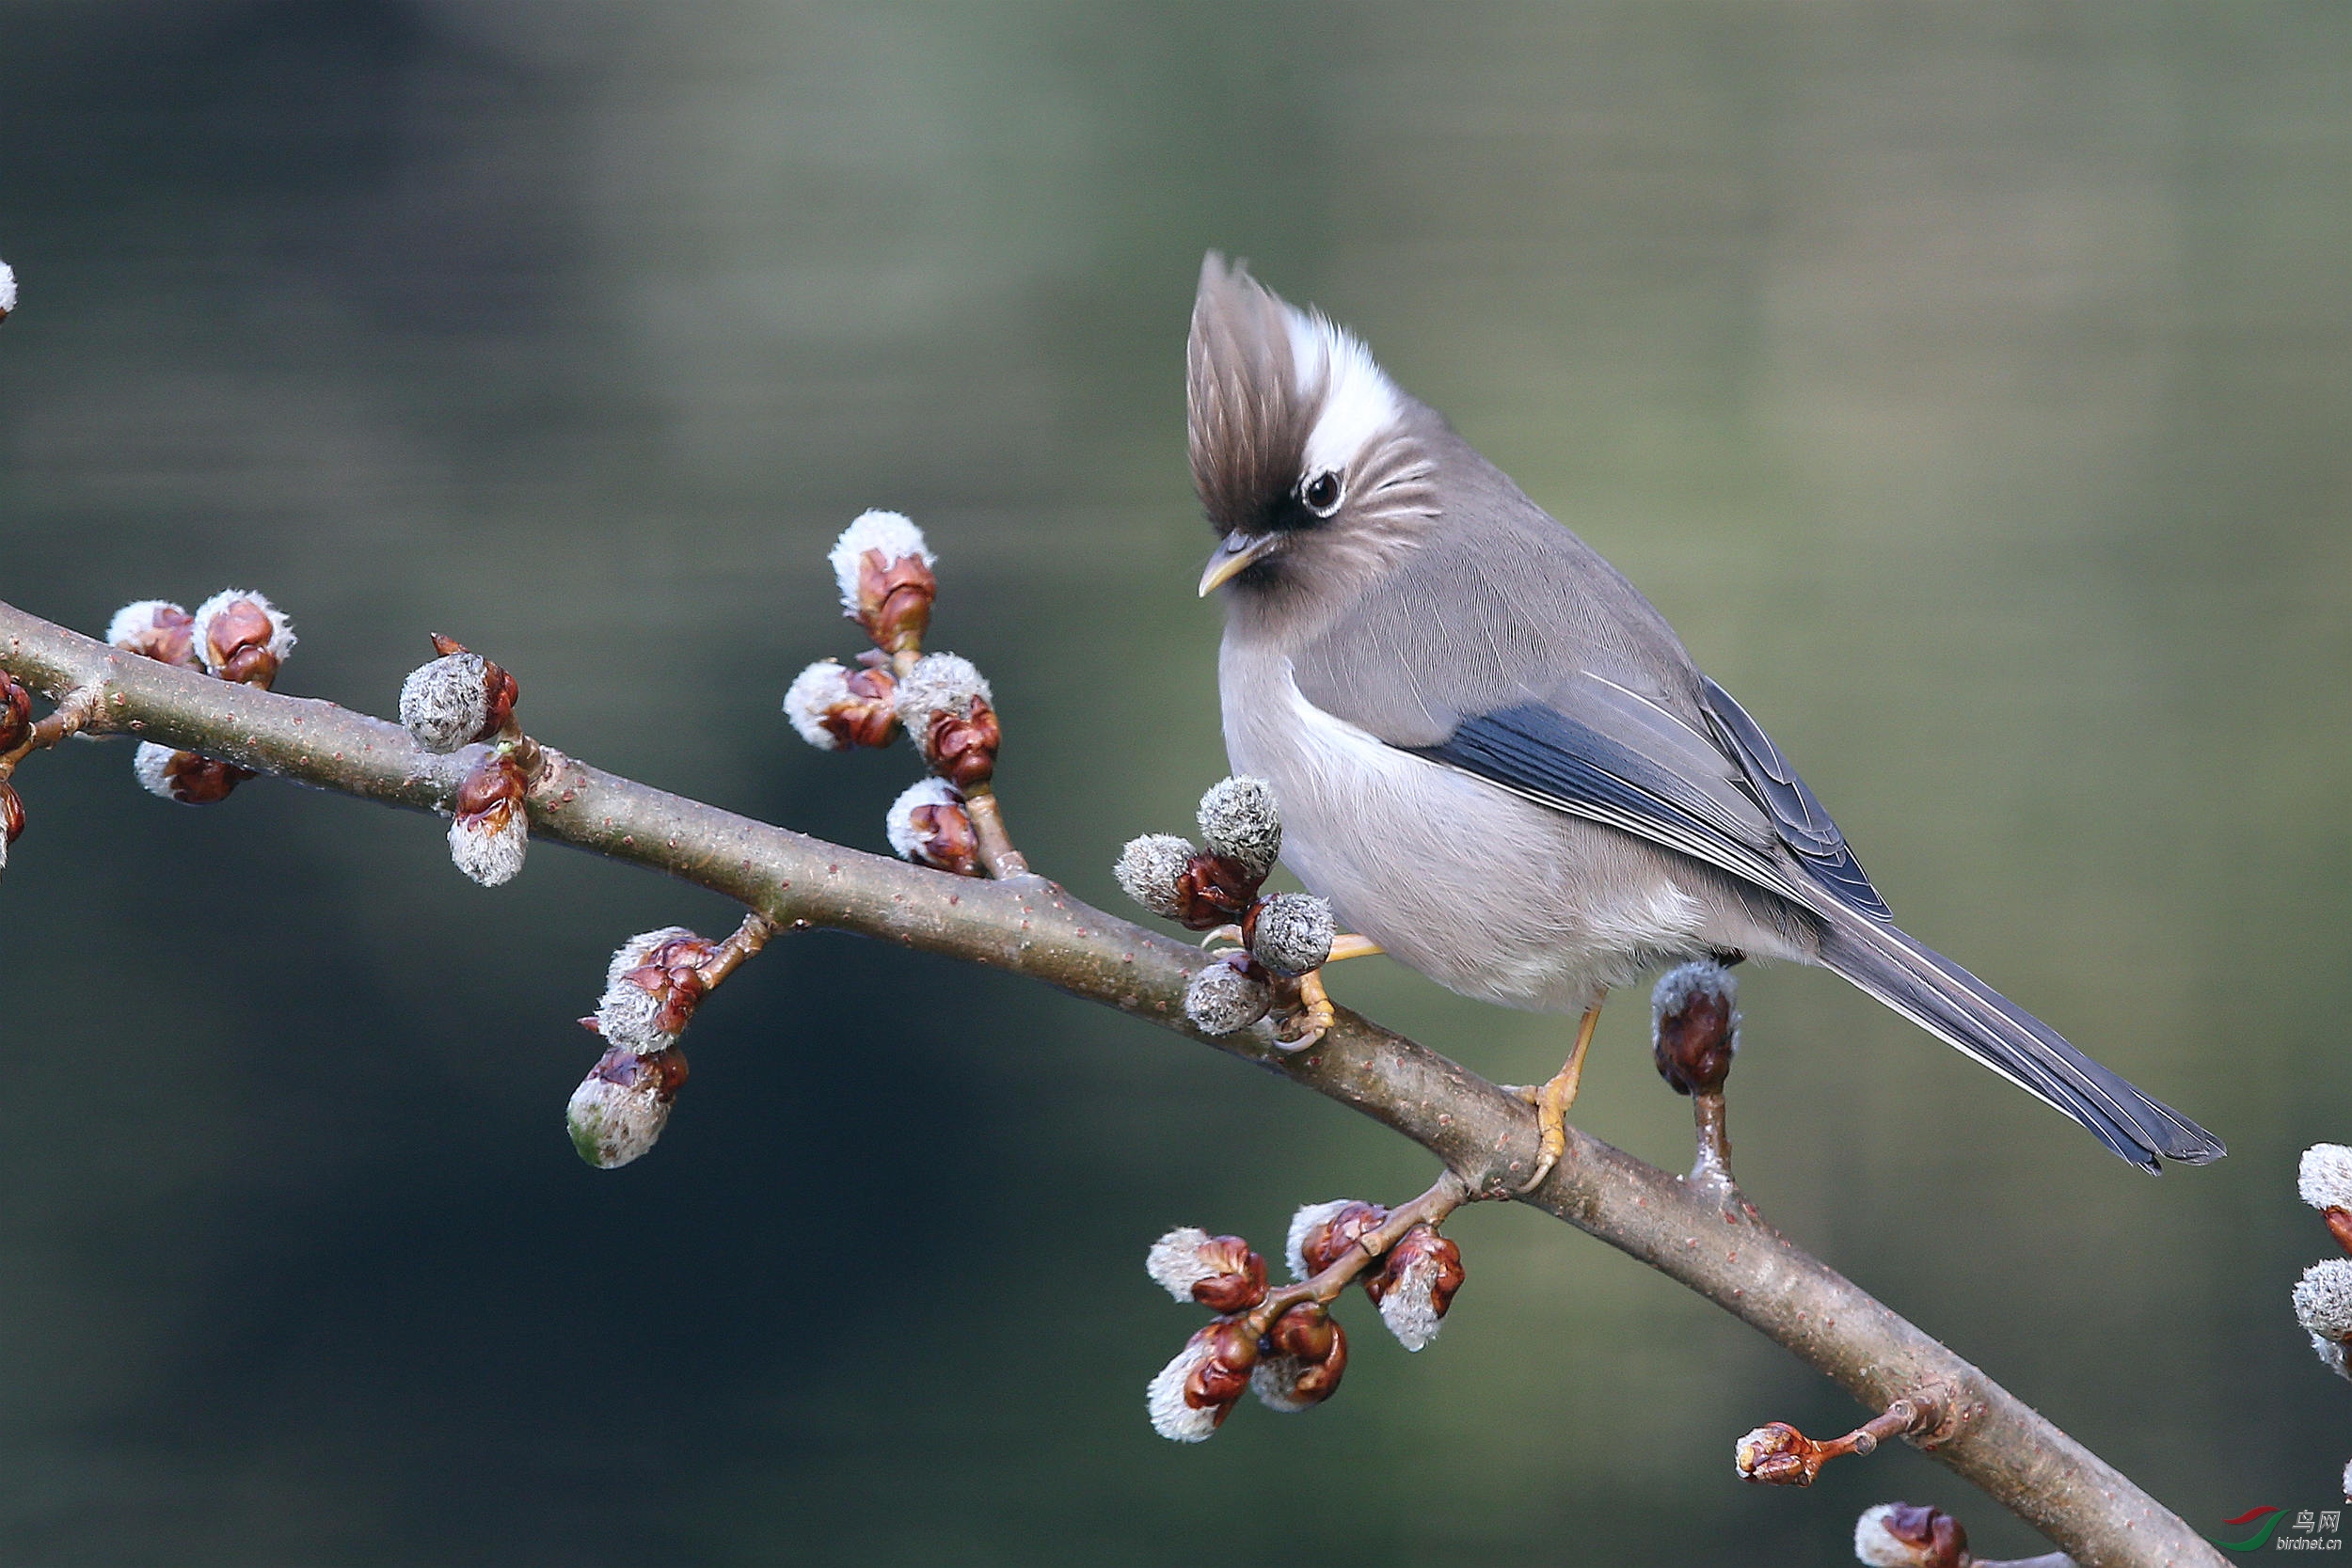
pixel 1316 1013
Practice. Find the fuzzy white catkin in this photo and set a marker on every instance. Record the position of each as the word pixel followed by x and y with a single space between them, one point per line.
pixel 8 290
pixel 2323 1299
pixel 1148 868
pixel 446 704
pixel 626 1017
pixel 1877 1546
pixel 1293 933
pixel 813 691
pixel 1240 821
pixel 148 764
pixel 1408 1308
pixel 490 847
pixel 1164 1397
pixel 2325 1177
pixel 611 1125
pixel 891 532
pixel 637 950
pixel 1302 1223
pixel 1275 1381
pixel 899 826
pixel 134 620
pixel 1221 1000
pixel 1685 982
pixel 940 682
pixel 1174 1261
pixel 281 633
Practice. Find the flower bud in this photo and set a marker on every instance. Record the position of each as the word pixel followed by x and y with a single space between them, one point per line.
pixel 183 776
pixel 1239 821
pixel 1193 1394
pixel 1290 933
pixel 1903 1535
pixel 1415 1284
pixel 928 825
pixel 491 831
pixel 651 990
pixel 1695 1027
pixel 1321 1233
pixel 1219 1271
pixel 156 629
pixel 835 709
pixel 1777 1454
pixel 8 290
pixel 2322 1304
pixel 16 712
pixel 458 698
pixel 1150 870
pixel 946 705
pixel 2325 1183
pixel 622 1105
pixel 242 637
pixel 1224 999
pixel 1300 1360
pixel 884 570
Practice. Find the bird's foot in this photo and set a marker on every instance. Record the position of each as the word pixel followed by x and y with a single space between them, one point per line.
pixel 1315 1014
pixel 1551 1101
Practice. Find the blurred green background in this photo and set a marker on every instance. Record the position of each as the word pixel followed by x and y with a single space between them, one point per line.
pixel 1971 386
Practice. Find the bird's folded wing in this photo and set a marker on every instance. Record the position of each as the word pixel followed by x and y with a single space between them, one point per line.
pixel 1602 751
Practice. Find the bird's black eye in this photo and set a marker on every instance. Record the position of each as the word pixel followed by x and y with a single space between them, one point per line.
pixel 1321 494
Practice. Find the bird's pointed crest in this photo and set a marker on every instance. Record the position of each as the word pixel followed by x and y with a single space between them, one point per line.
pixel 1274 391
pixel 1246 423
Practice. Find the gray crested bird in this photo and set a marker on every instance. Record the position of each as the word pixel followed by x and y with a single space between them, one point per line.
pixel 1493 755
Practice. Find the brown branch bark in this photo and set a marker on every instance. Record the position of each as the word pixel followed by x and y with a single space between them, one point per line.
pixel 1029 926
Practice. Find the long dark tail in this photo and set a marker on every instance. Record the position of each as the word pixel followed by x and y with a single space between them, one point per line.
pixel 1957 1007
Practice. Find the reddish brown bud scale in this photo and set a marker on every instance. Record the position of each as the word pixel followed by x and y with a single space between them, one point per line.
pixel 1213 891
pixel 2340 1226
pixel 198 781
pixel 1694 1027
pixel 948 841
pixel 1312 1338
pixel 494 780
pixel 1938 1539
pixel 962 750
pixel 1326 1244
pixel 1419 1248
pixel 11 814
pixel 1223 1376
pixel 894 600
pixel 870 715
pixel 237 642
pixel 661 1074
pixel 1239 1283
pixel 674 975
pixel 16 713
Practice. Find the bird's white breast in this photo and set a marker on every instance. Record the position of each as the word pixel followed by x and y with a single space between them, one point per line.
pixel 1486 893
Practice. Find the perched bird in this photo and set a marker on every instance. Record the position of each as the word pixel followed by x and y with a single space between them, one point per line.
pixel 1493 755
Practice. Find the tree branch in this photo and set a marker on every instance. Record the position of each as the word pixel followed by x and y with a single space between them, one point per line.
pixel 1719 1247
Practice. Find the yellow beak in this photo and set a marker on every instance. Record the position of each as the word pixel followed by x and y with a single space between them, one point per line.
pixel 1239 552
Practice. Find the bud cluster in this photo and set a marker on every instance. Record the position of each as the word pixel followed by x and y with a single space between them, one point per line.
pixel 237 635
pixel 651 989
pixel 1285 1346
pixel 1284 935
pixel 883 569
pixel 459 699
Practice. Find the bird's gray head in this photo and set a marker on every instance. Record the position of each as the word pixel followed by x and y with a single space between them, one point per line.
pixel 1313 467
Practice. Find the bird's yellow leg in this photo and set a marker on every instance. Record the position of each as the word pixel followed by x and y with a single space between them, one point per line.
pixel 1316 1013
pixel 1345 946
pixel 1551 1101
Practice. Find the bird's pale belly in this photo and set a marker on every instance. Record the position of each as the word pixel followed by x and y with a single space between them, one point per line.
pixel 1486 893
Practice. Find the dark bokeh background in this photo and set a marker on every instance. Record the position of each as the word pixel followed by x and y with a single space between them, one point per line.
pixel 1971 386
